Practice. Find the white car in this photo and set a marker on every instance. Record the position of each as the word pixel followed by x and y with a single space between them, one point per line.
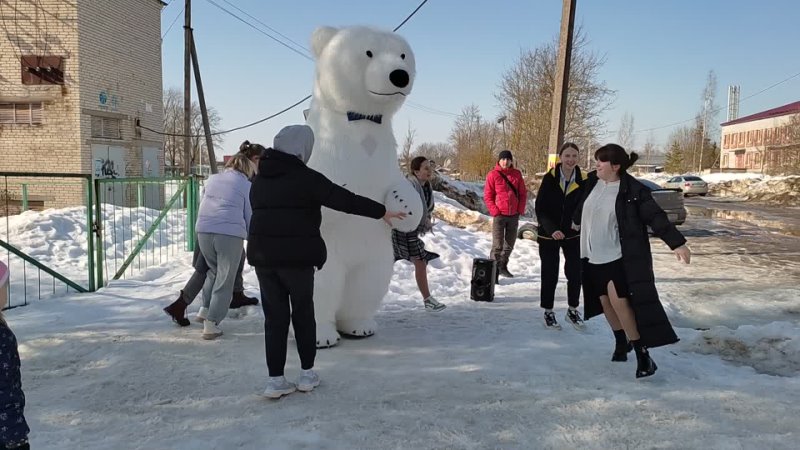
pixel 689 184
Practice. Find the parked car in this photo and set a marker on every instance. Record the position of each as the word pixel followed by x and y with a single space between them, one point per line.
pixel 689 184
pixel 669 199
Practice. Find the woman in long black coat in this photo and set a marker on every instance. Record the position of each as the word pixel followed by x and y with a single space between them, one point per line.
pixel 617 263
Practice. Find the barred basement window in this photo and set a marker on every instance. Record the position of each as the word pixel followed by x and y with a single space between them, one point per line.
pixel 106 127
pixel 21 113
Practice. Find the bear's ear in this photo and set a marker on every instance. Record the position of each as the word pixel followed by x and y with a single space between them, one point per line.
pixel 320 39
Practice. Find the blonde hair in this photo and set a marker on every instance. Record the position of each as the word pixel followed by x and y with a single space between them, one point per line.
pixel 240 162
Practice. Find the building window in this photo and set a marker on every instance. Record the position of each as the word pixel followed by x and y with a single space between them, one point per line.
pixel 42 69
pixel 106 128
pixel 21 113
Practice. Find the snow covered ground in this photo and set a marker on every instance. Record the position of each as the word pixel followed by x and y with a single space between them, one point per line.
pixel 108 370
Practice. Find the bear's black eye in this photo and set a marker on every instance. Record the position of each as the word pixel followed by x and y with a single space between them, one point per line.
pixel 402 56
pixel 369 53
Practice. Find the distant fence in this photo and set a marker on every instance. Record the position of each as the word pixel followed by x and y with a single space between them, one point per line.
pixel 105 229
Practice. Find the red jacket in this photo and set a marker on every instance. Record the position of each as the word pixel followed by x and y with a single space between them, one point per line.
pixel 499 197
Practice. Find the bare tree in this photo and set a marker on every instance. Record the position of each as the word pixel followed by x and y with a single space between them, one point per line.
pixel 625 133
pixel 649 148
pixel 526 96
pixel 476 143
pixel 173 125
pixel 441 153
pixel 408 144
pixel 707 122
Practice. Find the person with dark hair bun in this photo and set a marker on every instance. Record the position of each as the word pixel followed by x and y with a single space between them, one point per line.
pixel 617 264
pixel 558 195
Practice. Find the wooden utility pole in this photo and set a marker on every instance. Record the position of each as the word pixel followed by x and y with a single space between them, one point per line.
pixel 187 89
pixel 212 159
pixel 559 111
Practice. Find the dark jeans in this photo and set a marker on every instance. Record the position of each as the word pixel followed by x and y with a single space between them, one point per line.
pixel 549 254
pixel 198 278
pixel 281 288
pixel 504 235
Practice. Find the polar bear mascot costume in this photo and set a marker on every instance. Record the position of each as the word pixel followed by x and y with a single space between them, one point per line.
pixel 363 75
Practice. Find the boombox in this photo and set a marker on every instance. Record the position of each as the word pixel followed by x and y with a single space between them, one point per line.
pixel 484 273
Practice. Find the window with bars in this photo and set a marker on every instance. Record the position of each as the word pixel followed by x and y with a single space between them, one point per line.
pixel 21 113
pixel 106 127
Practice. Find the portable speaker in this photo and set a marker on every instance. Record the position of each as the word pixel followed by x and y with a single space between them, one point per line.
pixel 484 272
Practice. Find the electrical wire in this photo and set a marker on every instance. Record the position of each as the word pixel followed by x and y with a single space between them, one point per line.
pixel 288 108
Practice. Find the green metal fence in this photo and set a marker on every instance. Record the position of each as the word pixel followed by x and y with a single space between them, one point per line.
pixel 64 233
pixel 46 255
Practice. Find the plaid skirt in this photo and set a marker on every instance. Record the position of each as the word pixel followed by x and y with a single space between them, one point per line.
pixel 409 246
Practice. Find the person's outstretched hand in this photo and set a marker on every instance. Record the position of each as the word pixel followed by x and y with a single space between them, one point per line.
pixel 683 254
pixel 393 215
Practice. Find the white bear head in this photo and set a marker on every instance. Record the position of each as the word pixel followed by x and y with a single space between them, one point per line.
pixel 362 70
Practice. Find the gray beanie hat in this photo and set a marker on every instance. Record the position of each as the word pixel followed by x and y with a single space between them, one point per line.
pixel 297 140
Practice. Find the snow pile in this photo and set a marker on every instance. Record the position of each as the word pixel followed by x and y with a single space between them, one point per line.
pixel 772 349
pixel 783 191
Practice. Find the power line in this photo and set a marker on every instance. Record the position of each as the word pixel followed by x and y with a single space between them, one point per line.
pixel 715 110
pixel 288 108
pixel 268 27
pixel 173 22
pixel 260 30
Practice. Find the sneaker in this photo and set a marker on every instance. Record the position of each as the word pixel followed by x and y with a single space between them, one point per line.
pixel 307 380
pixel 177 310
pixel 277 387
pixel 431 304
pixel 201 315
pixel 239 299
pixel 550 320
pixel 211 330
pixel 574 317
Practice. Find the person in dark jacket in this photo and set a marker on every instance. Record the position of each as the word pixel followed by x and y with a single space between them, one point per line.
pixel 556 200
pixel 618 278
pixel 506 197
pixel 13 427
pixel 285 247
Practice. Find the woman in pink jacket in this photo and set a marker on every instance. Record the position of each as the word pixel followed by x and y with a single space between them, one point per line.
pixel 506 197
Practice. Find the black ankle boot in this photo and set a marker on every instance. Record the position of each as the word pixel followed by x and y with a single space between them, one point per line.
pixel 239 299
pixel 622 348
pixel 645 366
pixel 177 310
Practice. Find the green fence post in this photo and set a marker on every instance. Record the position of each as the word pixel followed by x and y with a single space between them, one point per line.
pixel 89 231
pixel 189 214
pixel 24 196
pixel 139 194
pixel 98 222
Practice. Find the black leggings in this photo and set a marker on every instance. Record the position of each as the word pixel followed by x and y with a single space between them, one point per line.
pixel 549 255
pixel 281 288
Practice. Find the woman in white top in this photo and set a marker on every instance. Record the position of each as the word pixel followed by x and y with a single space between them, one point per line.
pixel 618 279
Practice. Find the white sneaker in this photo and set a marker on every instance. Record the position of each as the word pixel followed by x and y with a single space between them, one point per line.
pixel 277 387
pixel 201 315
pixel 431 304
pixel 211 330
pixel 307 380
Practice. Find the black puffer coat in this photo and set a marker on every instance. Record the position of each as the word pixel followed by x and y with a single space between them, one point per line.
pixel 555 206
pixel 287 197
pixel 636 209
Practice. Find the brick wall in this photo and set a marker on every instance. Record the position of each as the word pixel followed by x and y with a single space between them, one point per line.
pixel 111 47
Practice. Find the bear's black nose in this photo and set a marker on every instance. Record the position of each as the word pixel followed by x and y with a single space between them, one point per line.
pixel 399 78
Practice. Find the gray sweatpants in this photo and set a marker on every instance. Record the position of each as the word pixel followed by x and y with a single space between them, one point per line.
pixel 195 283
pixel 504 236
pixel 223 254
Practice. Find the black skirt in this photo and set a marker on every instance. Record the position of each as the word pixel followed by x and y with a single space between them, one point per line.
pixel 600 274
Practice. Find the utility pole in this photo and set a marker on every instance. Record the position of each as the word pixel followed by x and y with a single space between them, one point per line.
pixel 702 137
pixel 502 121
pixel 212 159
pixel 187 89
pixel 559 111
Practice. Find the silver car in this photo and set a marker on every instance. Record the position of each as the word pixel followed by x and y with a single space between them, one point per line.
pixel 689 184
pixel 670 200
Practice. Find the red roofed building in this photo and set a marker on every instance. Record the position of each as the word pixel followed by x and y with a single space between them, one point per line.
pixel 765 141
